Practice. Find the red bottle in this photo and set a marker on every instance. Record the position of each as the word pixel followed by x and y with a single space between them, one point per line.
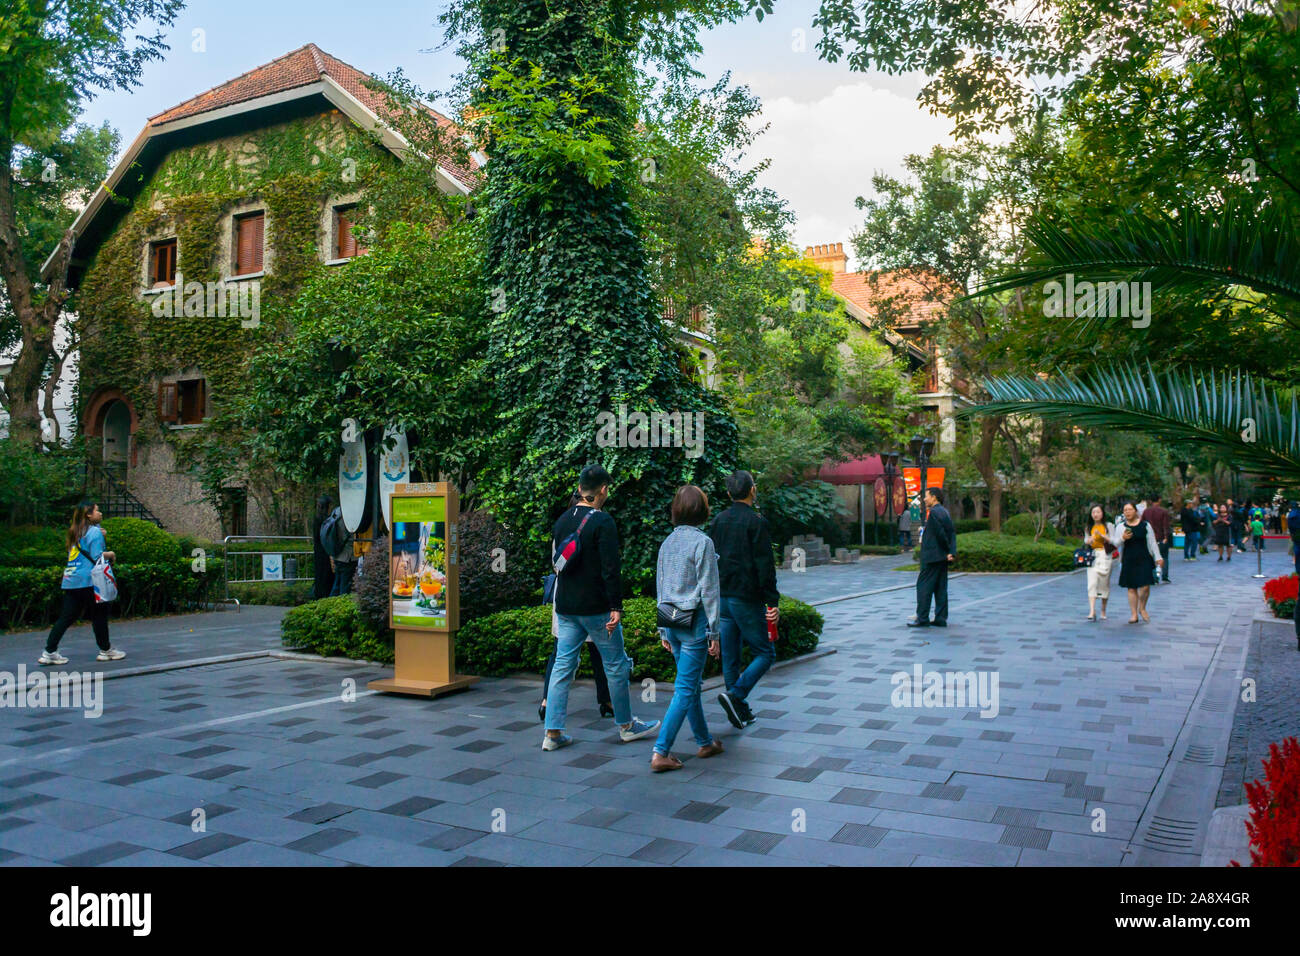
pixel 771 629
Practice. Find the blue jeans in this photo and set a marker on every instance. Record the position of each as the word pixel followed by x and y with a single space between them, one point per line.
pixel 690 650
pixel 574 631
pixel 904 539
pixel 1190 539
pixel 744 622
pixel 343 574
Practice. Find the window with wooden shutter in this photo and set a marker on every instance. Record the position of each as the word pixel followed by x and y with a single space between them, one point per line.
pixel 248 243
pixel 346 245
pixel 162 266
pixel 167 402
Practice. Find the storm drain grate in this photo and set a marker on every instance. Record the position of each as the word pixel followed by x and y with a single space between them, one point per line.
pixel 1016 817
pixel 1031 838
pixel 1197 753
pixel 1169 834
pixel 859 834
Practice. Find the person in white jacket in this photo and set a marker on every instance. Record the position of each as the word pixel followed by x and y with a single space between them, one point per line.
pixel 1139 559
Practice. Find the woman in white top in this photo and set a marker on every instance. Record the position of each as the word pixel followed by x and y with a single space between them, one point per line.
pixel 1139 559
pixel 1102 540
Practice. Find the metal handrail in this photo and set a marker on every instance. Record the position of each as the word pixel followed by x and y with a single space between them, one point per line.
pixel 225 560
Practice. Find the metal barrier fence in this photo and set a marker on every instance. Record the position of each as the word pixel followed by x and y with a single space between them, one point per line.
pixel 253 567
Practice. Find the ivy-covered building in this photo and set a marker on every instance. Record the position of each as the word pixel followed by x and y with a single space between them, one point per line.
pixel 220 205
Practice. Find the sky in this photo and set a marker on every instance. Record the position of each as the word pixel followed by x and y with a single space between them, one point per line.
pixel 829 128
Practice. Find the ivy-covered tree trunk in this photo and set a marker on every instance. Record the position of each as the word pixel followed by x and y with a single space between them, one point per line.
pixel 575 329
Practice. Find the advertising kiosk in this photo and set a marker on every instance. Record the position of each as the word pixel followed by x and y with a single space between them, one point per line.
pixel 423 596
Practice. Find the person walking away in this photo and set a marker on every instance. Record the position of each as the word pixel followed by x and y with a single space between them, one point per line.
pixel 1191 522
pixel 345 559
pixel 1293 529
pixel 597 664
pixel 1140 560
pixel 1161 522
pixel 1257 532
pixel 1099 540
pixel 687 592
pixel 86 544
pixel 321 560
pixel 1208 513
pixel 1238 519
pixel 1222 530
pixel 905 528
pixel 938 551
pixel 589 603
pixel 750 600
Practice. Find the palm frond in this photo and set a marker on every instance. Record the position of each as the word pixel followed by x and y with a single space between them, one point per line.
pixel 1222 409
pixel 1196 250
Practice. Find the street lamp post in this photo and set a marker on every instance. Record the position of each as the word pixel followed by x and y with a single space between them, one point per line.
pixel 891 473
pixel 921 449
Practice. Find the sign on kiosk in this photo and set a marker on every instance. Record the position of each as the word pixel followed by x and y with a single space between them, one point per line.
pixel 423 593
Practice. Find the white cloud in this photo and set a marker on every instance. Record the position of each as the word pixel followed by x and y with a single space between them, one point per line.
pixel 825 150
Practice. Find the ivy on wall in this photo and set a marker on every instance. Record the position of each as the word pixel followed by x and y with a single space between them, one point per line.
pixel 292 170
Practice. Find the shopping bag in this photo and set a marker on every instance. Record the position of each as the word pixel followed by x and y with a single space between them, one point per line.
pixel 103 581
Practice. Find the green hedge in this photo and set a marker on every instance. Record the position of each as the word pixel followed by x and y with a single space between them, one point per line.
pixel 971 525
pixel 273 593
pixel 30 597
pixel 520 640
pixel 1026 524
pixel 990 551
pixel 333 627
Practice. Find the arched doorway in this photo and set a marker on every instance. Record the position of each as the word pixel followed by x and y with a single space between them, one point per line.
pixel 117 438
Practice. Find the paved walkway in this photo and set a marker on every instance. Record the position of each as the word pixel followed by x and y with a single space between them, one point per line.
pixel 274 762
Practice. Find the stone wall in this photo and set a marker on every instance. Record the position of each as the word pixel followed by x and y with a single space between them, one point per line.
pixel 177 499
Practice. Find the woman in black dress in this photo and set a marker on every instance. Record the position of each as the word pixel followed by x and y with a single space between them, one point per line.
pixel 1139 559
pixel 323 579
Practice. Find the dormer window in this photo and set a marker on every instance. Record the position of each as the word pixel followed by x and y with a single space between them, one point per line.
pixel 249 233
pixel 162 264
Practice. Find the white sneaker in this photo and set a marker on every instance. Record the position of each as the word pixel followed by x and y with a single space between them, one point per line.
pixel 51 657
pixel 112 654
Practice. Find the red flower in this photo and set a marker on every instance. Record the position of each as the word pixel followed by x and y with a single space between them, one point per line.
pixel 1274 824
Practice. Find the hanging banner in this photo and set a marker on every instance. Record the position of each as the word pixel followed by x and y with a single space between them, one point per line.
pixel 394 468
pixel 353 484
pixel 912 476
pixel 880 496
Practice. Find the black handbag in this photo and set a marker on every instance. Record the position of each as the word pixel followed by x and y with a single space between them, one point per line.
pixel 669 615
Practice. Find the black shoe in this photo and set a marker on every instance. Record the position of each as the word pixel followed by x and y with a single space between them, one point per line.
pixel 938 623
pixel 541 713
pixel 916 623
pixel 746 714
pixel 606 709
pixel 732 711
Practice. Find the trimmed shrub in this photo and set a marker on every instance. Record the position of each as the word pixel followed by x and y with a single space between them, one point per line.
pixel 136 541
pixel 273 593
pixel 876 548
pixel 520 640
pixel 990 551
pixel 1026 524
pixel 334 627
pixel 486 585
pixel 971 525
pixel 33 546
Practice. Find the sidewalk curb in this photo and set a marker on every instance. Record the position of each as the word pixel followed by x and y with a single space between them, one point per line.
pixel 148 669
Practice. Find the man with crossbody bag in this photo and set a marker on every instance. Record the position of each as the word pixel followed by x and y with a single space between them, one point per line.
pixel 589 603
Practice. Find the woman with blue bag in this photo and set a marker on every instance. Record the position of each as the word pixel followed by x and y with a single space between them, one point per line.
pixel 86 551
pixel 689 611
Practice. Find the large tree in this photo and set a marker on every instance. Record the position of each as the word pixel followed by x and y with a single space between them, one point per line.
pixel 54 54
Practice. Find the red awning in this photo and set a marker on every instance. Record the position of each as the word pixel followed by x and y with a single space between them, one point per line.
pixel 855 471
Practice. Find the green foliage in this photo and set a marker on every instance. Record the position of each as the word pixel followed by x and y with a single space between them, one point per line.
pixel 136 541
pixel 496 572
pixel 810 508
pixel 520 640
pixel 1025 524
pixel 372 585
pixel 37 486
pixel 273 593
pixel 970 525
pixel 990 551
pixel 334 627
pixel 30 596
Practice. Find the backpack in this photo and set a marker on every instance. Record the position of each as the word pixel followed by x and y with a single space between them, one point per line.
pixel 570 546
pixel 331 532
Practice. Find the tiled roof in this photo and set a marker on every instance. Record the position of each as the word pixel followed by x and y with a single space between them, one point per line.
pixel 303 66
pixel 912 294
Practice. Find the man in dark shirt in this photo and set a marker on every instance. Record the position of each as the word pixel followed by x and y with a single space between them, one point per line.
pixel 1238 528
pixel 1190 516
pixel 589 603
pixel 938 550
pixel 1158 517
pixel 747 579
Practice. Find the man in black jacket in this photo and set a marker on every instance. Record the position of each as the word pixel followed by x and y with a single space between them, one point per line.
pixel 589 603
pixel 747 579
pixel 938 550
